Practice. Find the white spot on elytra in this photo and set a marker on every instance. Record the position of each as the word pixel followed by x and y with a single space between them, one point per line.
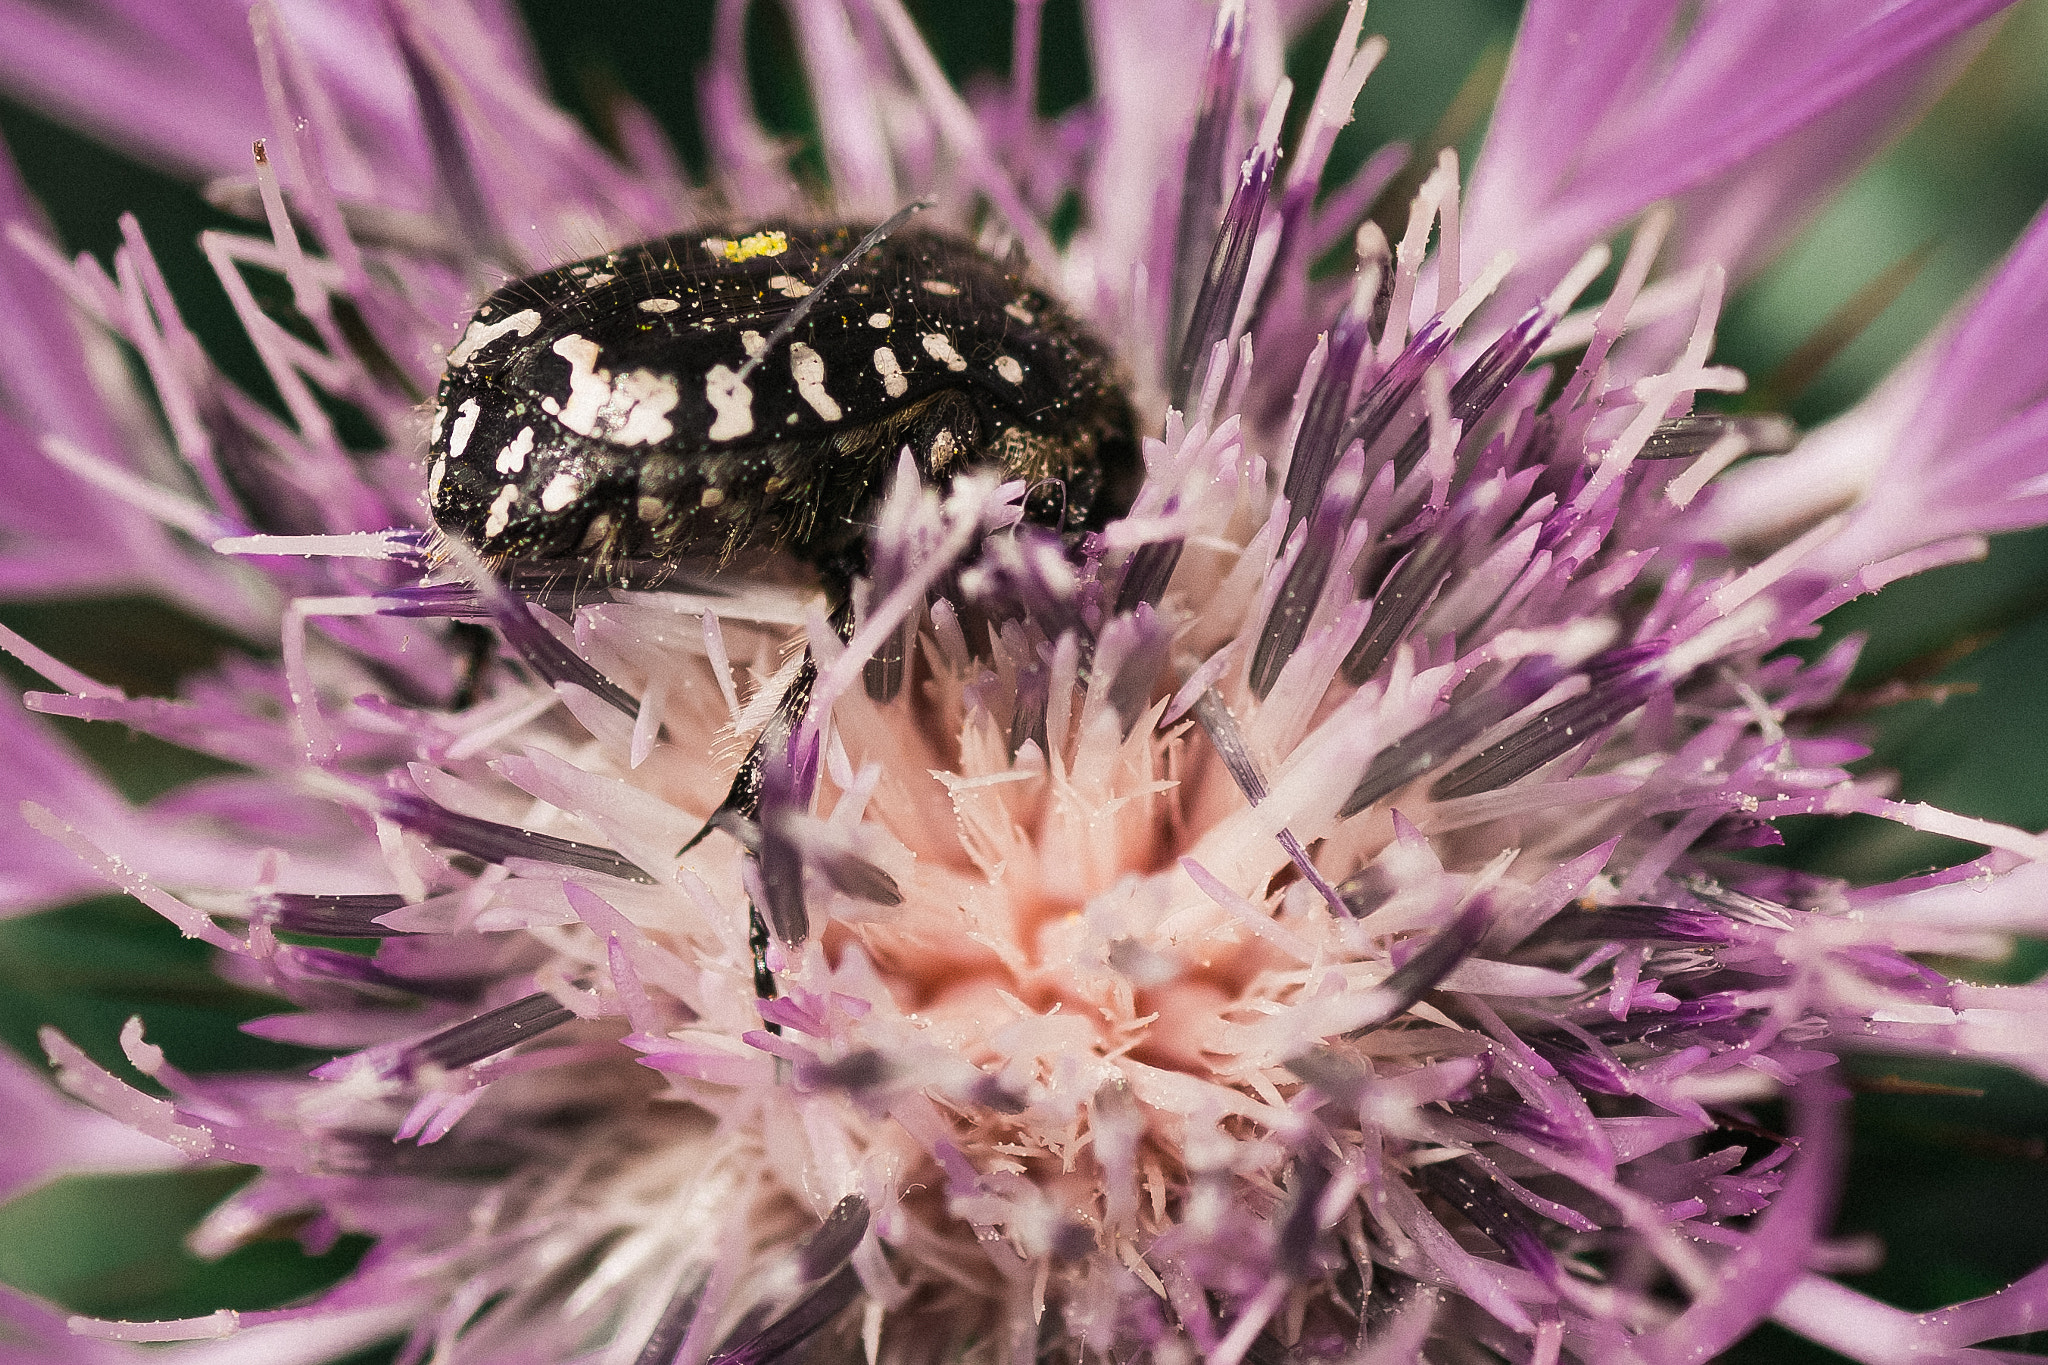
pixel 941 288
pixel 789 285
pixel 1019 312
pixel 601 277
pixel 459 429
pixel 893 382
pixel 880 321
pixel 660 305
pixel 939 347
pixel 807 367
pixel 641 402
pixel 629 411
pixel 711 497
pixel 501 510
pixel 589 388
pixel 1009 369
pixel 512 458
pixel 434 477
pixel 733 401
pixel 562 490
pixel 482 334
pixel 440 420
pixel 753 343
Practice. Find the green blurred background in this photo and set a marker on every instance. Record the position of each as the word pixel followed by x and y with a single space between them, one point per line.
pixel 1951 1164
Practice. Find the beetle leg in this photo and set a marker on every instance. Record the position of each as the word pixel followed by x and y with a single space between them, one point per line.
pixel 739 814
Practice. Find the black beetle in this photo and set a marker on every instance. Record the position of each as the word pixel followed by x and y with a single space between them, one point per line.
pixel 639 405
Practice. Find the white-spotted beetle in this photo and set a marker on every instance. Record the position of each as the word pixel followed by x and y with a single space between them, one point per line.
pixel 628 407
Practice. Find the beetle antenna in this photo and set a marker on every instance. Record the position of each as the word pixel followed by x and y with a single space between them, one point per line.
pixel 810 300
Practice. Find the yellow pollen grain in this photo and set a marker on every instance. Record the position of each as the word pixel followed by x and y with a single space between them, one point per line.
pixel 771 243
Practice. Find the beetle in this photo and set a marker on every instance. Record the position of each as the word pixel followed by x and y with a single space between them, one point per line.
pixel 654 403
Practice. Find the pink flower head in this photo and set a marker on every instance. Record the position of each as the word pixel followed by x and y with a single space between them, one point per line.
pixel 1299 920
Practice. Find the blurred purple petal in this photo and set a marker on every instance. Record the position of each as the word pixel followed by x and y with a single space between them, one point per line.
pixel 53 1136
pixel 1754 114
pixel 1953 446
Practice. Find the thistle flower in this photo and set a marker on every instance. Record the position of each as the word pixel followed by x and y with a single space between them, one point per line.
pixel 1298 922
